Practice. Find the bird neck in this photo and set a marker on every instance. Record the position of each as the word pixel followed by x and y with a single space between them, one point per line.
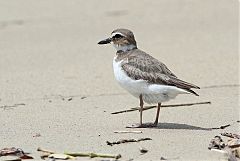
pixel 125 48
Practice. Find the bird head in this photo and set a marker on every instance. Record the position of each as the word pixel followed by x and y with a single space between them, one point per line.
pixel 122 39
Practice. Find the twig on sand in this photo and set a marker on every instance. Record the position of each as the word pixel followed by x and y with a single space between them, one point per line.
pixel 221 127
pixel 231 135
pixel 237 136
pixel 234 146
pixel 127 141
pixel 45 151
pixel 72 155
pixel 93 155
pixel 8 107
pixel 150 107
pixel 124 132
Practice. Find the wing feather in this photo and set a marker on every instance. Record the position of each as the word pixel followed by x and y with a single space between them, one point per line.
pixel 145 67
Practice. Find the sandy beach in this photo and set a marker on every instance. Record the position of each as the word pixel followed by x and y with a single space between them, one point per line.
pixel 57 89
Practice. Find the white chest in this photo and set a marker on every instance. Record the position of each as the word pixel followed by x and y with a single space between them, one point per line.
pixel 135 87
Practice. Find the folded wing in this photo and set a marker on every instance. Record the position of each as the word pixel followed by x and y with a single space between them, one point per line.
pixel 153 71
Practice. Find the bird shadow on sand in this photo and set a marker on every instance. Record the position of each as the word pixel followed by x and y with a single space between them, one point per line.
pixel 166 125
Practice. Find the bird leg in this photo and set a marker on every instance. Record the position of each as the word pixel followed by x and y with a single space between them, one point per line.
pixel 157 115
pixel 141 125
pixel 141 111
pixel 141 108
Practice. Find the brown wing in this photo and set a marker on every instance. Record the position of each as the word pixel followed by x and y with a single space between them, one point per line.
pixel 145 67
pixel 147 63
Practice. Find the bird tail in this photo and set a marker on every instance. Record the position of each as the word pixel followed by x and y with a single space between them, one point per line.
pixel 191 91
pixel 184 85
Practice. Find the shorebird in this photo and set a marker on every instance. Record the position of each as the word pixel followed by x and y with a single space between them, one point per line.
pixel 142 75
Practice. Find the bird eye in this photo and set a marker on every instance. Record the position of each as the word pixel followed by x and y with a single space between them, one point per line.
pixel 117 36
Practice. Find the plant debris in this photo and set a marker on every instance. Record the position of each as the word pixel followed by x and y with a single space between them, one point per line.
pixel 162 158
pixel 175 158
pixel 231 148
pixel 150 107
pixel 127 141
pixel 143 150
pixel 9 107
pixel 216 143
pixel 93 155
pixel 15 152
pixel 124 132
pixel 37 135
pixel 231 135
pixel 221 127
pixel 72 155
pixel 60 156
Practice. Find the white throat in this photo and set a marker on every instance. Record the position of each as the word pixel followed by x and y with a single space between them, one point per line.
pixel 124 47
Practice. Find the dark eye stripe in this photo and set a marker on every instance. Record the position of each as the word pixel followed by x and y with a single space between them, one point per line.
pixel 117 36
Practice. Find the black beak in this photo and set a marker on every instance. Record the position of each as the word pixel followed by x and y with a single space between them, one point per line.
pixel 106 41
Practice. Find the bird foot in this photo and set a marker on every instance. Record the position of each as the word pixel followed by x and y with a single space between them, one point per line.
pixel 147 125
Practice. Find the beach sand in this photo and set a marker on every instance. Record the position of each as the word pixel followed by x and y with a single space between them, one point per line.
pixel 62 89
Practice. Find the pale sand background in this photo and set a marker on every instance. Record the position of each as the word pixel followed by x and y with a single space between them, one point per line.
pixel 48 49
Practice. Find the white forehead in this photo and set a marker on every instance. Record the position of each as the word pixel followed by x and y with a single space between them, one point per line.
pixel 115 33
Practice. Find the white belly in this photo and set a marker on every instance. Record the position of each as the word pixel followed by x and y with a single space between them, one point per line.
pixel 152 93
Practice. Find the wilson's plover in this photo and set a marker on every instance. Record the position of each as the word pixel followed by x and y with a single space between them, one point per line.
pixel 142 75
